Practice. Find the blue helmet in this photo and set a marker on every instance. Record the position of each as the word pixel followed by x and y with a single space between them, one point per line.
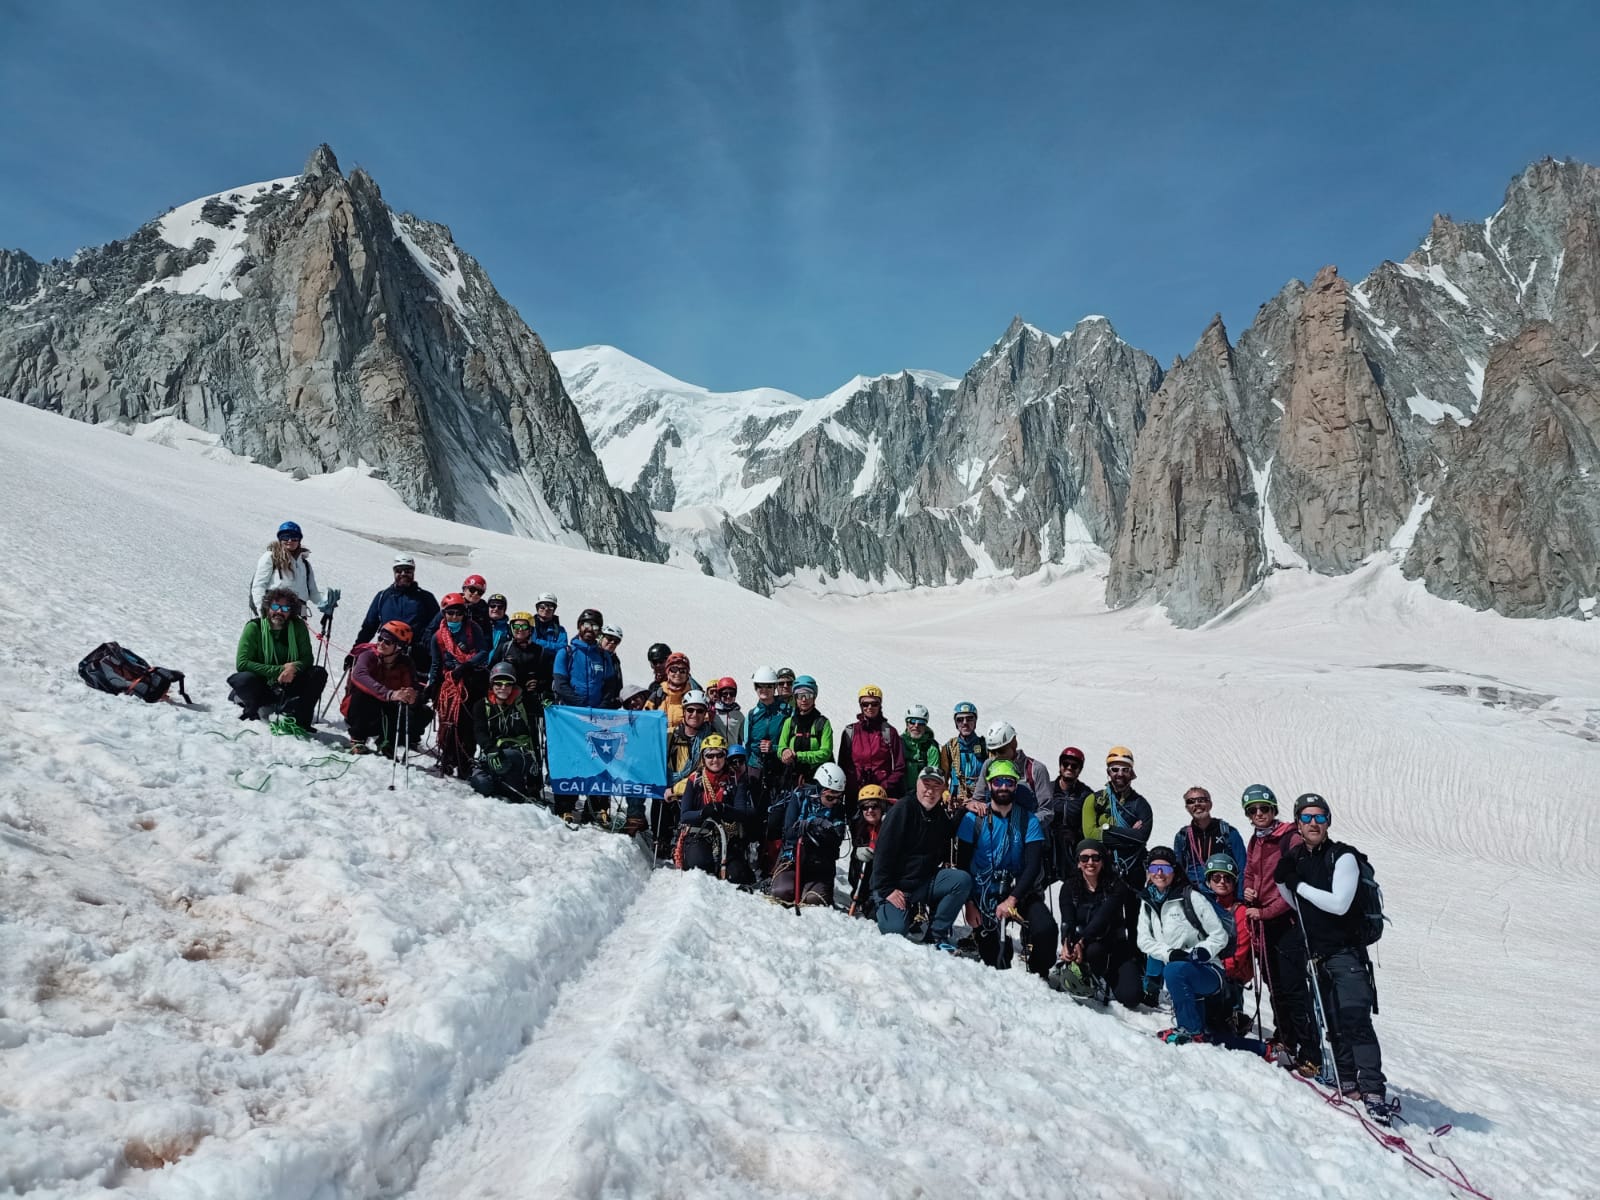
pixel 966 709
pixel 806 682
pixel 737 750
pixel 288 530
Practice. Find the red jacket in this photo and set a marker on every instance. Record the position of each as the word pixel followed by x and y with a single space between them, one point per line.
pixel 872 754
pixel 371 676
pixel 1236 966
pixel 1261 854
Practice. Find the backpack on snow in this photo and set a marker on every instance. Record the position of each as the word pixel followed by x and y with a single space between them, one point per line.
pixel 110 668
pixel 1229 925
pixel 1368 901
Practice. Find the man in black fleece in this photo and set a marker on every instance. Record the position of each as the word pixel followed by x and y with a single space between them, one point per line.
pixel 906 870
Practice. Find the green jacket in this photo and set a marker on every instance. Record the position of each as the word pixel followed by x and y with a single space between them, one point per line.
pixel 920 752
pixel 263 652
pixel 810 750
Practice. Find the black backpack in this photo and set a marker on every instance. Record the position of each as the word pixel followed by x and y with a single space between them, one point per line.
pixel 1229 925
pixel 1368 902
pixel 110 668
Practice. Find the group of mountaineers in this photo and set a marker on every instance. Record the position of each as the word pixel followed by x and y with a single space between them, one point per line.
pixel 930 832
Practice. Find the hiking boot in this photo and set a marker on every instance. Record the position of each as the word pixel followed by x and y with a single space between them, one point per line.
pixel 572 820
pixel 1380 1111
pixel 359 747
pixel 946 947
pixel 1307 1068
pixel 1151 995
pixel 1182 1037
pixel 635 825
pixel 385 749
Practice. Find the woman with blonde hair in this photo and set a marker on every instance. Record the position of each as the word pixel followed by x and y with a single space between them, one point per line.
pixel 287 564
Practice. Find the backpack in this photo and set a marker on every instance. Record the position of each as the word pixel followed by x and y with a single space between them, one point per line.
pixel 1229 925
pixel 1368 902
pixel 110 668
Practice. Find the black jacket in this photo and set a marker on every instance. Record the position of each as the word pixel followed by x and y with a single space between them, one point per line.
pixel 1325 933
pixel 533 664
pixel 1065 827
pixel 415 606
pixel 1101 917
pixel 912 844
pixel 499 726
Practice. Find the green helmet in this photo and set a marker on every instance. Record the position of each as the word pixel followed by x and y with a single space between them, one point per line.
pixel 1071 979
pixel 1222 863
pixel 1259 793
pixel 1002 768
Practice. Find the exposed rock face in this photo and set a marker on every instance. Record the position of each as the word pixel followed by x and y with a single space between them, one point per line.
pixel 891 482
pixel 1190 534
pixel 1516 526
pixel 313 328
pixel 1339 490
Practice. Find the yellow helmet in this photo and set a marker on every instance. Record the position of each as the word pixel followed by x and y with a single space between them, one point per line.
pixel 871 692
pixel 871 791
pixel 525 618
pixel 1119 754
pixel 713 741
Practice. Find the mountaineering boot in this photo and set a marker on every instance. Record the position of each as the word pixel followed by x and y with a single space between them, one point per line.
pixel 359 747
pixel 1379 1110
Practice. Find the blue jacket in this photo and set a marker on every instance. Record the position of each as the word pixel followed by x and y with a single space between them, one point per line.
pixel 764 721
pixel 1193 848
pixel 553 634
pixel 822 827
pixel 416 606
pixel 587 676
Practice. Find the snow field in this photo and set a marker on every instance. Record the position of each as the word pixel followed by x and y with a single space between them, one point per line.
pixel 302 991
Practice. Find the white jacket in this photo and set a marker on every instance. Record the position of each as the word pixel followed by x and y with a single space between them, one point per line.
pixel 302 581
pixel 1160 933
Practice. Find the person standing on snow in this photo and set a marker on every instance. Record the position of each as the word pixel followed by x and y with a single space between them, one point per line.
pixel 499 623
pixel 533 663
pixel 718 817
pixel 763 726
pixel 287 563
pixel 403 601
pixel 814 828
pixel 586 675
pixel 274 666
pixel 807 738
pixel 473 587
pixel 548 630
pixel 1003 851
pixel 1186 936
pixel 726 714
pixel 921 747
pixel 670 698
pixel 658 654
pixel 1001 741
pixel 1279 946
pixel 1098 910
pixel 1320 878
pixel 870 749
pixel 1064 813
pixel 1119 817
pixel 507 732
pixel 962 757
pixel 1204 836
pixel 383 698
pixel 787 681
pixel 906 870
pixel 459 678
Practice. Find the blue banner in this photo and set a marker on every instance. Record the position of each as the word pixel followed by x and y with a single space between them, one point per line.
pixel 606 752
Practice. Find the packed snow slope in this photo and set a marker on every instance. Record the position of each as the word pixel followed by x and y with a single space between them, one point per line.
pixel 234 966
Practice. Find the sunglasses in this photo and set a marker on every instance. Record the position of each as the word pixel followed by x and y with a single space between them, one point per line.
pixel 405 570
pixel 831 795
pixel 473 590
pixel 871 806
pixel 1197 802
pixel 610 637
pixel 1255 810
pixel 503 683
pixel 1216 875
pixel 1002 785
pixel 520 625
pixel 966 717
pixel 1119 770
pixel 282 608
pixel 915 721
pixel 455 612
pixel 872 704
pixel 727 694
pixel 715 754
pixel 497 604
pixel 696 708
pixel 1159 869
pixel 1089 858
pixel 1075 764
pixel 544 605
pixel 1313 818
pixel 677 670
pixel 385 639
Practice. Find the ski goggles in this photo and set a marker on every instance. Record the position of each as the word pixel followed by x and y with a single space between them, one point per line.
pixel 1313 818
pixel 520 625
pixel 1159 869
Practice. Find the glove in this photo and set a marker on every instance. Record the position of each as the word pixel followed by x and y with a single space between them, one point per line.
pixel 1177 956
pixel 863 854
pixel 495 762
pixel 349 661
pixel 458 671
pixel 1201 954
pixel 330 601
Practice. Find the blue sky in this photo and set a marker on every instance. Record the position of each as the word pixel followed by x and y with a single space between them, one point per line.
pixel 788 194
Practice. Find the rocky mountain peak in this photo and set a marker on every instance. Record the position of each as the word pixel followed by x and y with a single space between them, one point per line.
pixel 322 164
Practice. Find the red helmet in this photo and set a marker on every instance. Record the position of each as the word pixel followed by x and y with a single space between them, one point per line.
pixel 677 659
pixel 727 684
pixel 1073 754
pixel 453 600
pixel 399 630
pixel 474 581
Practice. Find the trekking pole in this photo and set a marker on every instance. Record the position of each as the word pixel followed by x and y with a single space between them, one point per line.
pixel 861 880
pixel 332 692
pixel 394 758
pixel 799 861
pixel 405 741
pixel 1258 948
pixel 1328 1059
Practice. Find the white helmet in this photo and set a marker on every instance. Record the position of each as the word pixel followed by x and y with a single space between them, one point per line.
pixel 765 675
pixel 830 777
pixel 545 598
pixel 696 697
pixel 613 631
pixel 999 734
pixel 917 712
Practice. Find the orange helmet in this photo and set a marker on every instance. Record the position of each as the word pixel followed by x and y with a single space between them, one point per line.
pixel 399 630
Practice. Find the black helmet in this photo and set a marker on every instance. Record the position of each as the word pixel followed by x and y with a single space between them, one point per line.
pixel 591 616
pixel 659 652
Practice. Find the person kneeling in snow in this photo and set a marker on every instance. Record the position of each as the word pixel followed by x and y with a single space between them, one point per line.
pixel 906 869
pixel 718 819
pixel 508 743
pixel 275 671
pixel 383 700
pixel 1180 929
pixel 813 832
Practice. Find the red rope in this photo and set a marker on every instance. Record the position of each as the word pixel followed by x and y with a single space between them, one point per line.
pixel 1390 1140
